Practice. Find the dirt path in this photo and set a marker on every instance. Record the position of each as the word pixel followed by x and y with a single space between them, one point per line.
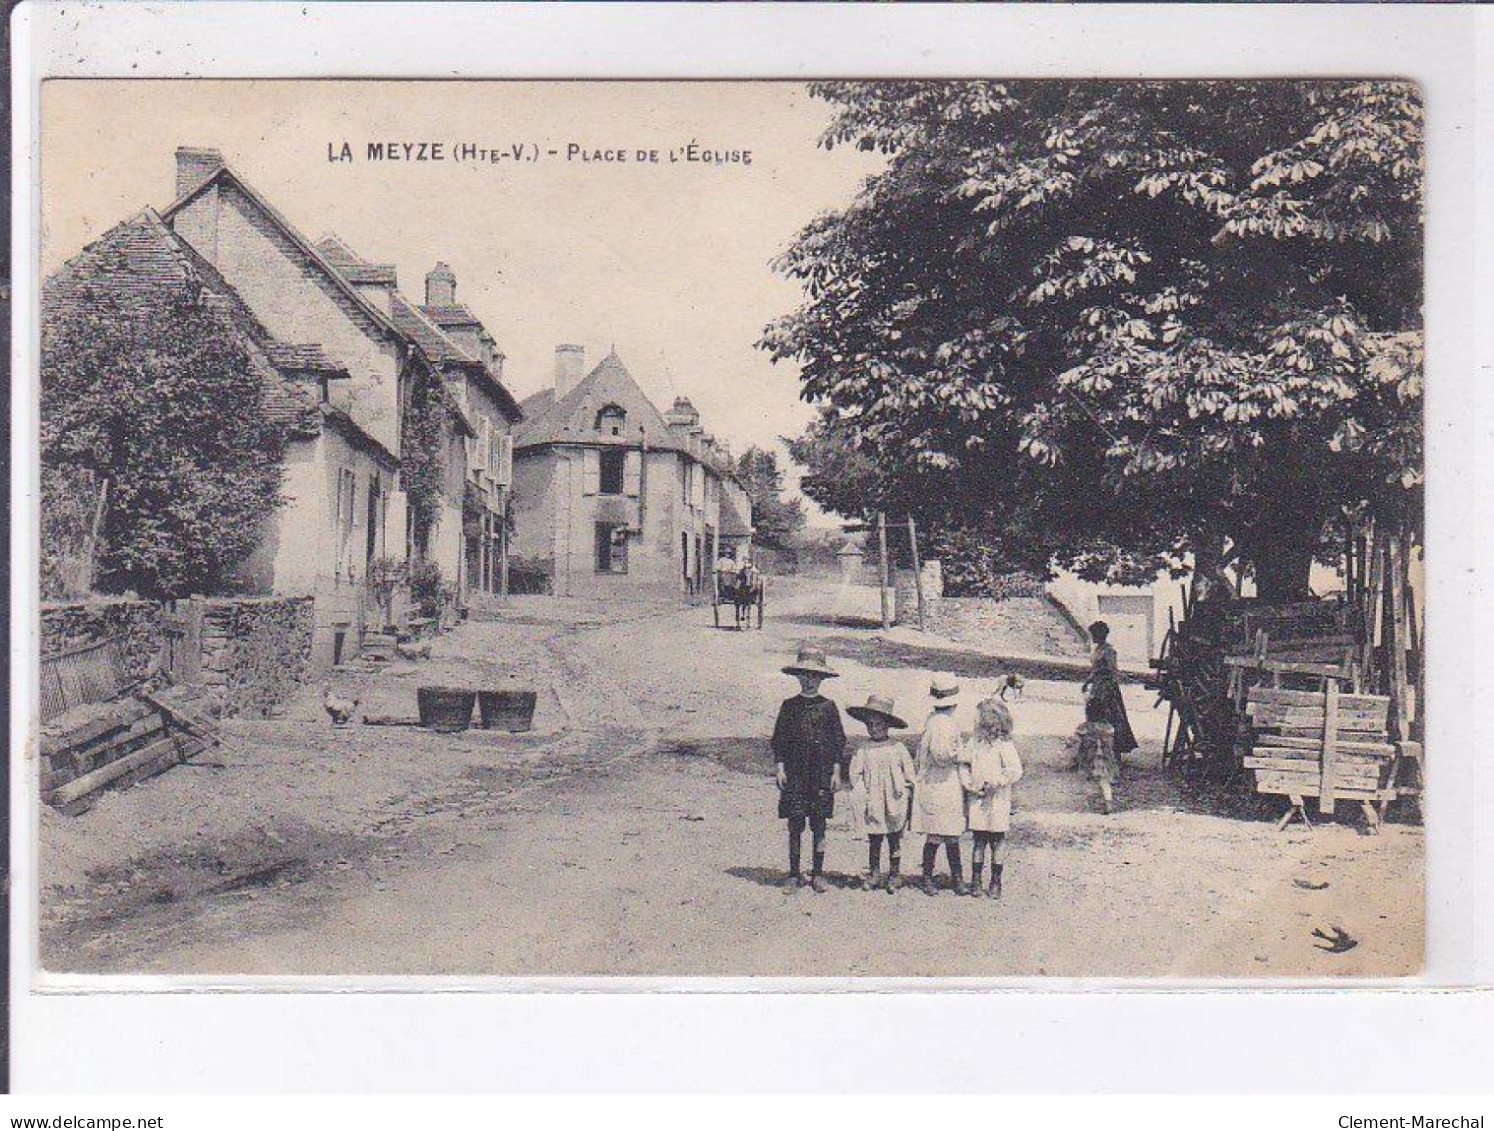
pixel 641 841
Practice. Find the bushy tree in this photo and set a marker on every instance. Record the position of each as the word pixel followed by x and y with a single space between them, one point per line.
pixel 776 521
pixel 1125 322
pixel 150 389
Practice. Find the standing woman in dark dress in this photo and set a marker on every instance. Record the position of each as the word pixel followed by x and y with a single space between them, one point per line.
pixel 1103 702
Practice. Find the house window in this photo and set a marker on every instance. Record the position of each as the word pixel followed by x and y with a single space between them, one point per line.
pixel 613 461
pixel 610 420
pixel 612 548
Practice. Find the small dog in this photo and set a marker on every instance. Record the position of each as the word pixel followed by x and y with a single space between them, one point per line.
pixel 1012 685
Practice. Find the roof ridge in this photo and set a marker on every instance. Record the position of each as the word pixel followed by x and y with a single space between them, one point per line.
pixel 378 317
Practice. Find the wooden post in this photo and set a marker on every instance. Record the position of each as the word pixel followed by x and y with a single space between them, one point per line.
pixel 917 570
pixel 882 567
pixel 1373 611
pixel 503 546
pixel 716 557
pixel 1329 781
pixel 1396 645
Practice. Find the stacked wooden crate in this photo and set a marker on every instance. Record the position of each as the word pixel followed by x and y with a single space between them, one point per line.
pixel 1321 744
pixel 109 745
pixel 101 730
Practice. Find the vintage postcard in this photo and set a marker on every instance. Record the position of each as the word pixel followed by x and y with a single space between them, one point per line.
pixel 894 529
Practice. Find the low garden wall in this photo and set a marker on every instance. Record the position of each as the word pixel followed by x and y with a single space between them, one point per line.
pixel 76 624
pixel 256 650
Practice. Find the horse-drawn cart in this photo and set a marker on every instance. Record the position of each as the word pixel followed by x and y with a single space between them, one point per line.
pixel 742 593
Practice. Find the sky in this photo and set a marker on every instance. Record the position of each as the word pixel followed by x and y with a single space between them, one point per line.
pixel 668 261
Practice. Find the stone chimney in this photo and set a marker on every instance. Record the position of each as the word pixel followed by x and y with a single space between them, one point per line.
pixel 570 366
pixel 440 286
pixel 683 415
pixel 193 166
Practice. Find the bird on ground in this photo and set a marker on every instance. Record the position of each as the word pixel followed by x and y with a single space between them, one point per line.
pixel 339 708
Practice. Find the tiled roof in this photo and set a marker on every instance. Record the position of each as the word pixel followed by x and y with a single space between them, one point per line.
pixel 142 255
pixel 573 418
pixel 224 174
pixel 437 346
pixel 450 314
pixel 304 359
pixel 353 267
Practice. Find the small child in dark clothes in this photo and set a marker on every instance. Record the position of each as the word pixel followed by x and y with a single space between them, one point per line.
pixel 809 746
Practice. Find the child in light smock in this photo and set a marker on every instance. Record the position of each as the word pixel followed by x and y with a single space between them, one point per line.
pixel 989 767
pixel 881 780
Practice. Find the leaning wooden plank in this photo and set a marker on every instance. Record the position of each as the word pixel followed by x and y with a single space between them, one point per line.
pixel 116 769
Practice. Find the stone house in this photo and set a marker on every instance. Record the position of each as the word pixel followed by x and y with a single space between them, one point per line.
pixel 614 499
pixel 313 535
pixel 356 362
pixel 469 542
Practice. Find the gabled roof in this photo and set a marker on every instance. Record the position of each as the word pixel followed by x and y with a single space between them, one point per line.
pixel 572 420
pixel 224 174
pixel 451 314
pixel 142 254
pixel 438 346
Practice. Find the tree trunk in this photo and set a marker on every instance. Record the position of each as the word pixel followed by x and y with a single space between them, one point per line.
pixel 1283 572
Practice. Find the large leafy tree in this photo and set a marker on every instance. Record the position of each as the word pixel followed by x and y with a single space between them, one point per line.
pixel 776 521
pixel 150 388
pixel 1120 323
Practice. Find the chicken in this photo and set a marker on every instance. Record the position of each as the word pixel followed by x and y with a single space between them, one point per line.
pixel 1013 684
pixel 338 707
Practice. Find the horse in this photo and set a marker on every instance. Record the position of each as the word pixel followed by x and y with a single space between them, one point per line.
pixel 744 591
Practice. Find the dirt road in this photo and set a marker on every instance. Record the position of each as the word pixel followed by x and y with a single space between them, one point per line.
pixel 635 835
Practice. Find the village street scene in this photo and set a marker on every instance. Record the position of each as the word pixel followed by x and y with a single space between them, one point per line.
pixel 961 529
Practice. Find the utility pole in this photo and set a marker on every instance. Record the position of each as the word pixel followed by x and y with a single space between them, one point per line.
pixel 882 567
pixel 917 570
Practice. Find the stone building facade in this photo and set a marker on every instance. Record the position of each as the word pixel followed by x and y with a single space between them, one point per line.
pixel 614 499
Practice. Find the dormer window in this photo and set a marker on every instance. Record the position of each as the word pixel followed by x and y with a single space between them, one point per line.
pixel 610 420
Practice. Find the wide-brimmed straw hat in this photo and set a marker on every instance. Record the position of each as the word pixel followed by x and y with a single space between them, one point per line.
pixel 879 706
pixel 811 661
pixel 945 689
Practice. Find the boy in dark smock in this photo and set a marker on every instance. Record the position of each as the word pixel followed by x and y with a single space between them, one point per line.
pixel 809 749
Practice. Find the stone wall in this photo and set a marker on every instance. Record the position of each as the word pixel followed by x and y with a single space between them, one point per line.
pixel 256 651
pixel 75 624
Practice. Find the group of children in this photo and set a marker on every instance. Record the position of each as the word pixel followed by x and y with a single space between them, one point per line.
pixel 954 783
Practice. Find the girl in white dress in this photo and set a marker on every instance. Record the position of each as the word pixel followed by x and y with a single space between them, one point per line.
pixel 989 767
pixel 938 797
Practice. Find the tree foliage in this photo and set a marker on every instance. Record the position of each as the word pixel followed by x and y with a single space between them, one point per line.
pixel 776 522
pixel 1123 322
pixel 152 390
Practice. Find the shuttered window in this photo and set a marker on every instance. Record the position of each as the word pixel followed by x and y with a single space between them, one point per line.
pixel 591 471
pixel 633 474
pixel 503 472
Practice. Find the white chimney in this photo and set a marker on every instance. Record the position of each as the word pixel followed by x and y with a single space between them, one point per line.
pixel 440 286
pixel 193 166
pixel 570 366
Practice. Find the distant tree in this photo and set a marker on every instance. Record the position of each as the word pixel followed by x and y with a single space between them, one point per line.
pixel 1124 322
pixel 150 389
pixel 776 521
